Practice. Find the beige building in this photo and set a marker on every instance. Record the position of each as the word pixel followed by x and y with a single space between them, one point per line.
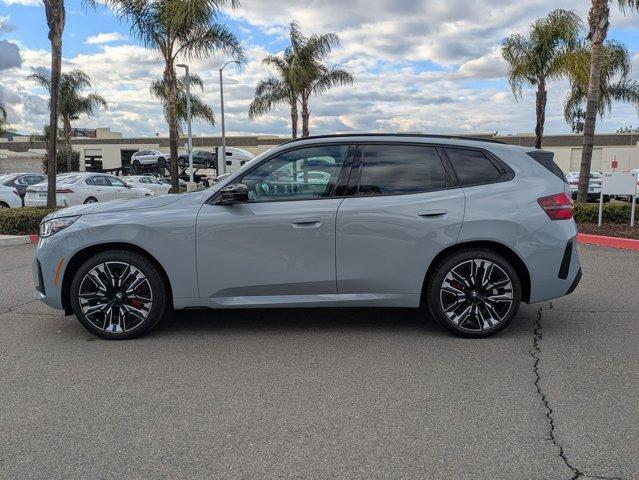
pixel 113 150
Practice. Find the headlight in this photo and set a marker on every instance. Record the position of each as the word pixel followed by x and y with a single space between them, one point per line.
pixel 49 227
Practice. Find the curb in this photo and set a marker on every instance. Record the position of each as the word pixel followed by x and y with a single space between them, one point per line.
pixel 10 240
pixel 613 242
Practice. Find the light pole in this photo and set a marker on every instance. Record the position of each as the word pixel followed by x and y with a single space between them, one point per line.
pixel 188 119
pixel 222 115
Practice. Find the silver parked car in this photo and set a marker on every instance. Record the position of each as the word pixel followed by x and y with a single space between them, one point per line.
pixel 466 228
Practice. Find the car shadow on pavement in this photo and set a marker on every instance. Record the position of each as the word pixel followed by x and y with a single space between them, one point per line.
pixel 300 319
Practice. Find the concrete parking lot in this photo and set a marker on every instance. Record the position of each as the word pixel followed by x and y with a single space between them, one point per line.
pixel 325 393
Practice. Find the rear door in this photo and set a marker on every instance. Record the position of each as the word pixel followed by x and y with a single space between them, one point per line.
pixel 404 206
pixel 98 186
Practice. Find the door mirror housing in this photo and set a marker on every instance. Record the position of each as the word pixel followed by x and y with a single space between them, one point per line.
pixel 236 193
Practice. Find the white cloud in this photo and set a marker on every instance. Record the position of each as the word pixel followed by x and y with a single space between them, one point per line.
pixel 101 38
pixel 26 3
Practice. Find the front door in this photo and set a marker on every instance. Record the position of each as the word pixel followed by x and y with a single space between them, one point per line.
pixel 281 243
pixel 404 208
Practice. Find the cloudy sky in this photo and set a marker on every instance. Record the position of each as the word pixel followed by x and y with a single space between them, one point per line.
pixel 420 65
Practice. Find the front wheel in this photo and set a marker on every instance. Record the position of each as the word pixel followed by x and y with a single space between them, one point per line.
pixel 118 295
pixel 474 293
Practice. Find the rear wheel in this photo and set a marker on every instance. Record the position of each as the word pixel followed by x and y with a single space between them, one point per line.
pixel 3 205
pixel 91 200
pixel 118 295
pixel 474 293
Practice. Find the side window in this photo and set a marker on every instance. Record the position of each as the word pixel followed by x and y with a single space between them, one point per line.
pixel 400 170
pixel 21 181
pixel 98 181
pixel 473 167
pixel 289 176
pixel 115 182
pixel 144 180
pixel 33 179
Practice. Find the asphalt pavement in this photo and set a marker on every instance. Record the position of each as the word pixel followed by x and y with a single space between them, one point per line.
pixel 348 393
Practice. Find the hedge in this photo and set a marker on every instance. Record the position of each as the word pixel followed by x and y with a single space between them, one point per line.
pixel 22 221
pixel 615 212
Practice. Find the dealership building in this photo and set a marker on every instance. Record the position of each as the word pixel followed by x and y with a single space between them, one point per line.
pixel 110 150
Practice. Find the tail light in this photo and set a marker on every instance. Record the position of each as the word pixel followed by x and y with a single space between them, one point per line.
pixel 63 190
pixel 30 190
pixel 557 207
pixel 574 182
pixel 17 193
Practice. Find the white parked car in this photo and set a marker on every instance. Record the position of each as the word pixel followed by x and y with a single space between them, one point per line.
pixel 84 187
pixel 594 185
pixel 148 181
pixel 13 186
pixel 149 157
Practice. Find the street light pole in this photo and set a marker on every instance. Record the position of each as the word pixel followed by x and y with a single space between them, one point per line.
pixel 222 115
pixel 188 119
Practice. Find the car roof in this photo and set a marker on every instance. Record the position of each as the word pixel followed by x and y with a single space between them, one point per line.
pixel 430 138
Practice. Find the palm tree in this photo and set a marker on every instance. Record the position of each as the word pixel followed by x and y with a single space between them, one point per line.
pixel 3 119
pixel 540 57
pixel 598 21
pixel 56 18
pixel 179 28
pixel 615 65
pixel 309 74
pixel 71 102
pixel 277 90
pixel 199 110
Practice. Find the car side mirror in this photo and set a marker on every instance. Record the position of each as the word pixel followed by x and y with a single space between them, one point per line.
pixel 236 193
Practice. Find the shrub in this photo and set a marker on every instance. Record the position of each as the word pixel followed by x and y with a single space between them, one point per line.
pixel 22 221
pixel 61 160
pixel 615 212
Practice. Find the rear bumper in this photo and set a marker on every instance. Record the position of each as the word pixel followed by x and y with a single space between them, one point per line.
pixel 553 264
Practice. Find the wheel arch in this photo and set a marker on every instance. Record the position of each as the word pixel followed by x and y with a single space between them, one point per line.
pixel 82 255
pixel 499 248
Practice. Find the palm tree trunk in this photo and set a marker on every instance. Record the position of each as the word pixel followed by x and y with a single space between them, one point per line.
pixel 55 20
pixel 170 84
pixel 305 116
pixel 294 118
pixel 542 96
pixel 598 20
pixel 67 142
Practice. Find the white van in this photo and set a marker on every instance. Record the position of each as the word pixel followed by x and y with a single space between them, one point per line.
pixel 235 158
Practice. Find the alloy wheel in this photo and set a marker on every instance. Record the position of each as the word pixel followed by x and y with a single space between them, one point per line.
pixel 476 295
pixel 115 297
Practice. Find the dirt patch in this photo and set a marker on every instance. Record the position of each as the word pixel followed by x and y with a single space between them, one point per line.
pixel 610 230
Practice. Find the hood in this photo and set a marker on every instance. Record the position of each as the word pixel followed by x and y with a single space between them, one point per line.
pixel 119 205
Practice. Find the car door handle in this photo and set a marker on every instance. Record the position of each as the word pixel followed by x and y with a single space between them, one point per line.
pixel 438 212
pixel 311 222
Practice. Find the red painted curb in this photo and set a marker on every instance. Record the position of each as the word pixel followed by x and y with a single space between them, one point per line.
pixel 614 242
pixel 34 238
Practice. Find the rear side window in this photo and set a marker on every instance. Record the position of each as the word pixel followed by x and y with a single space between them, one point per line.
pixel 473 167
pixel 400 170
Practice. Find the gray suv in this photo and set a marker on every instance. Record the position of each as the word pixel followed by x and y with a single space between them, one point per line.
pixel 464 228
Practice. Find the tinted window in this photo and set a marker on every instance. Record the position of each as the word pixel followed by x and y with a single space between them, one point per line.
pixel 99 181
pixel 473 167
pixel 115 182
pixel 288 176
pixel 33 179
pixel 400 169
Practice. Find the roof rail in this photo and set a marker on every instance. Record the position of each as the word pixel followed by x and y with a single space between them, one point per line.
pixel 416 135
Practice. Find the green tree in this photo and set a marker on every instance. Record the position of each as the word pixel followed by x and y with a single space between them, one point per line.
pixel 199 110
pixel 56 18
pixel 179 29
pixel 540 57
pixel 598 21
pixel 614 84
pixel 3 119
pixel 310 75
pixel 275 90
pixel 71 102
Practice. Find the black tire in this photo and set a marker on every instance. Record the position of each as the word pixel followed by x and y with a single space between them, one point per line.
pixel 487 315
pixel 91 200
pixel 161 163
pixel 3 205
pixel 136 166
pixel 153 287
pixel 170 190
pixel 207 164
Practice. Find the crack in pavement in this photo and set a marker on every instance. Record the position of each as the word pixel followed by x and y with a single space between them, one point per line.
pixel 5 310
pixel 535 353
